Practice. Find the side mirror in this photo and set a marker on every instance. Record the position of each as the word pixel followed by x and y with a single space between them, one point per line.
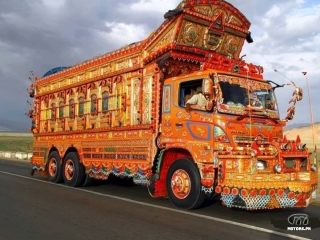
pixel 207 87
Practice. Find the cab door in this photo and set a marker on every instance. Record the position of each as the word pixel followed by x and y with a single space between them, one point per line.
pixel 177 123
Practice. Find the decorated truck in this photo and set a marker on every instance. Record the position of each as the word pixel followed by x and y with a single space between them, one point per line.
pixel 180 113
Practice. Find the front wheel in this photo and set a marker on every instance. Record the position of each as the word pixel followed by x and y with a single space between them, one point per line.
pixel 184 184
pixel 73 170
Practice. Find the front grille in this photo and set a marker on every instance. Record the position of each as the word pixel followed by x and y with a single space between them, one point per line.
pixel 290 164
pixel 295 163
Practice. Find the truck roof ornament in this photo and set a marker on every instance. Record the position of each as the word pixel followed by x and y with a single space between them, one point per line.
pixel 249 38
pixel 174 12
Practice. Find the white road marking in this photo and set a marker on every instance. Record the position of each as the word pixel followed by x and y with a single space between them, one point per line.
pixel 167 209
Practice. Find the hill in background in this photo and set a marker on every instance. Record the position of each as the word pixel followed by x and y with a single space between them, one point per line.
pixel 16 125
pixel 296 125
pixel 304 131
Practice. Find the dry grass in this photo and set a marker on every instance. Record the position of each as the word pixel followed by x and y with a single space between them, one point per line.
pixel 16 142
pixel 305 133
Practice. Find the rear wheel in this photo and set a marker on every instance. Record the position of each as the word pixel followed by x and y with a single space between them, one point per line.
pixel 184 184
pixel 54 168
pixel 88 181
pixel 73 170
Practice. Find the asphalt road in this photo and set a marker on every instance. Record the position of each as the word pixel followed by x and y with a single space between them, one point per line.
pixel 33 208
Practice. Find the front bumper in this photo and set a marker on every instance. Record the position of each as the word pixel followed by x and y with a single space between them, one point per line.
pixel 258 192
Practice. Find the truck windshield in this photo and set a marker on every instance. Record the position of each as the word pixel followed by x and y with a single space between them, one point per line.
pixel 237 94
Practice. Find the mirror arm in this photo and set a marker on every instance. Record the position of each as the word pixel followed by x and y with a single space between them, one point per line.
pixel 277 85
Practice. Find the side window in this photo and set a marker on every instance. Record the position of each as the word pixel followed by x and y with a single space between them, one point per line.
pixel 71 107
pixel 187 90
pixel 61 109
pixel 81 106
pixel 93 105
pixel 105 98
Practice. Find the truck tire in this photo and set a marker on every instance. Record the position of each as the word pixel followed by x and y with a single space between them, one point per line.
pixel 73 171
pixel 184 184
pixel 54 168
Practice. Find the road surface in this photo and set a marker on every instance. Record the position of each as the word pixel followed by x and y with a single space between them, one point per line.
pixel 33 208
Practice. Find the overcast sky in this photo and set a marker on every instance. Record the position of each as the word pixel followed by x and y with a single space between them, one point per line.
pixel 38 35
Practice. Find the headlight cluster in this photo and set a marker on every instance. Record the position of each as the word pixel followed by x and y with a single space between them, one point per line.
pixel 277 168
pixel 262 165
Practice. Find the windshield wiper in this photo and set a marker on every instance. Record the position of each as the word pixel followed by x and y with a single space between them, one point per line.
pixel 273 119
pixel 247 114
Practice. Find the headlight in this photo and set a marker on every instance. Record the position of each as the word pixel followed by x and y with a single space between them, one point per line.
pixel 261 165
pixel 313 167
pixel 277 168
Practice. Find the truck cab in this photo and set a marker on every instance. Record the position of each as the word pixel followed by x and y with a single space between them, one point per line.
pixel 236 141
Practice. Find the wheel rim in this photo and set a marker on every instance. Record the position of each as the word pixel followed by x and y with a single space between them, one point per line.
pixel 180 184
pixel 52 167
pixel 69 169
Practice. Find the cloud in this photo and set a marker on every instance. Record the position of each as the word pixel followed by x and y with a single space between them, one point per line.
pixel 39 35
pixel 159 6
pixel 121 32
pixel 288 40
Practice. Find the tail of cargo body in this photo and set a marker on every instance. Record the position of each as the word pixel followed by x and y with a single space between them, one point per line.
pixel 179 111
